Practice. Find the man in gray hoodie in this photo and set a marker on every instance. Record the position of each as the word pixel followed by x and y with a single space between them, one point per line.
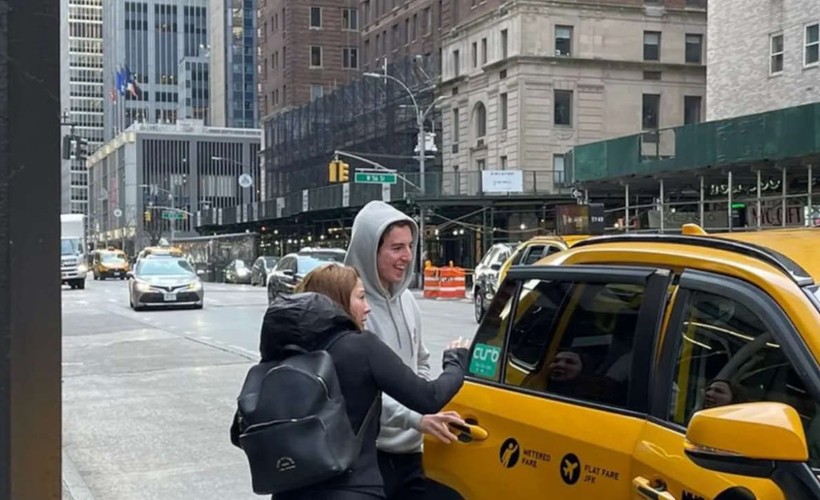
pixel 383 248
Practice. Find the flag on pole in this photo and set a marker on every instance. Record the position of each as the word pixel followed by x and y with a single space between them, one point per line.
pixel 120 81
pixel 131 83
pixel 113 95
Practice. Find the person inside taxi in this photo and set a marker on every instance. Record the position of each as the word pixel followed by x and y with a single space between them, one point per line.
pixel 569 375
pixel 720 392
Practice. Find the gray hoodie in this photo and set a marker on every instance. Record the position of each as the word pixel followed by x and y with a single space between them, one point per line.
pixel 395 318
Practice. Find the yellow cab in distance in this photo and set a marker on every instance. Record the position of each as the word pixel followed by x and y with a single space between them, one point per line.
pixel 110 263
pixel 672 367
pixel 536 248
pixel 160 251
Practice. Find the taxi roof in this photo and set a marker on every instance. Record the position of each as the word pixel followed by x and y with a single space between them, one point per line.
pixel 793 251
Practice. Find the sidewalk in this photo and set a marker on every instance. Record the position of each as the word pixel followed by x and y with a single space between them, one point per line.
pixel 135 426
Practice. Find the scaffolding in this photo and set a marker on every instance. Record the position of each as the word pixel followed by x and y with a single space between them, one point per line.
pixel 367 116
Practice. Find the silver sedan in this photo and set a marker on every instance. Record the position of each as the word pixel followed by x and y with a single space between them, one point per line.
pixel 164 282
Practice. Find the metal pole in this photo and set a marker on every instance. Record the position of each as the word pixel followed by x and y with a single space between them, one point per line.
pixel 729 200
pixel 810 221
pixel 174 220
pixel 661 206
pixel 626 219
pixel 783 202
pixel 421 248
pixel 758 203
pixel 701 203
pixel 422 152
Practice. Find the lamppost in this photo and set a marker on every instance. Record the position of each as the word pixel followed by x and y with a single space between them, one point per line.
pixel 173 206
pixel 421 115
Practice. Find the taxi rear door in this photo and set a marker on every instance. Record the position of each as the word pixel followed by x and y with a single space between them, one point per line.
pixel 558 387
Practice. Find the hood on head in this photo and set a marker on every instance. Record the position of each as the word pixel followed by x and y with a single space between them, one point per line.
pixel 303 319
pixel 368 227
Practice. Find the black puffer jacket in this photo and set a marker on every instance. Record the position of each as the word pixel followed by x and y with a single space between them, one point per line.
pixel 365 366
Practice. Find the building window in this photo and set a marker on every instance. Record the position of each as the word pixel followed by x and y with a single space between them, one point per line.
pixel 563 107
pixel 503 161
pixel 694 48
pixel 415 27
pixel 316 91
pixel 563 40
pixel 315 17
pixel 651 105
pixel 691 109
pixel 483 51
pixel 428 21
pixel 455 126
pixel 456 63
pixel 776 54
pixel 454 10
pixel 504 44
pixel 811 45
pixel 407 31
pixel 502 110
pixel 651 46
pixel 480 120
pixel 350 58
pixel 558 169
pixel 315 56
pixel 475 54
pixel 366 51
pixel 396 37
pixel 350 19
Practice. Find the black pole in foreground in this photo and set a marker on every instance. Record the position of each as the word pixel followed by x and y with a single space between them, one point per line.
pixel 30 337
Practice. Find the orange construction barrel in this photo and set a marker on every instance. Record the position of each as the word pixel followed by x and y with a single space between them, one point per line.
pixel 431 282
pixel 453 284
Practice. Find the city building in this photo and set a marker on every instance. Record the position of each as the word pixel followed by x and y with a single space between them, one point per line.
pixel 81 93
pixel 392 31
pixel 149 172
pixel 156 63
pixel 525 81
pixel 762 56
pixel 306 49
pixel 233 63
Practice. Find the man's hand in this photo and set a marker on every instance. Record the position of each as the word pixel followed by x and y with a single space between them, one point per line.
pixel 436 425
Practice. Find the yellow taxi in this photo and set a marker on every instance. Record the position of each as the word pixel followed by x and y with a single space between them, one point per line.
pixel 160 251
pixel 672 367
pixel 110 264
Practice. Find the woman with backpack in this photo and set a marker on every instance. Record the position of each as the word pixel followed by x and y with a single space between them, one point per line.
pixel 329 312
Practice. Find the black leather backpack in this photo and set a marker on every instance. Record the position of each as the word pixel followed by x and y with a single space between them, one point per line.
pixel 292 422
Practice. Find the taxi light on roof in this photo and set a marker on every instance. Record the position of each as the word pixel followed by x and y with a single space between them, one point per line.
pixel 693 230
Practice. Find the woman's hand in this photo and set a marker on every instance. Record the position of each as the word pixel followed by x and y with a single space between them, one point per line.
pixel 459 343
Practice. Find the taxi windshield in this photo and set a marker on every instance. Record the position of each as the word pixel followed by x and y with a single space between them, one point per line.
pixel 112 258
pixel 165 267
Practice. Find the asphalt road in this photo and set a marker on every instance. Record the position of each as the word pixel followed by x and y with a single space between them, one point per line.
pixel 148 396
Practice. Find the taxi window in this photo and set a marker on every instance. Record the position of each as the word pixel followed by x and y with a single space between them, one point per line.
pixel 728 356
pixel 575 339
pixel 485 354
pixel 533 255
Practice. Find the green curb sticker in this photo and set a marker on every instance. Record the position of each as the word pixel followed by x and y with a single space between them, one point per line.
pixel 484 362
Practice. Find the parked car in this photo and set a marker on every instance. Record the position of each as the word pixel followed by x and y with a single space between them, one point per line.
pixel 290 270
pixel 485 276
pixel 646 366
pixel 110 264
pixel 164 281
pixel 237 272
pixel 262 268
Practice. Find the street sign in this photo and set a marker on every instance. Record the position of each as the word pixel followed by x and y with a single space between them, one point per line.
pixel 245 181
pixel 374 178
pixel 169 215
pixel 117 213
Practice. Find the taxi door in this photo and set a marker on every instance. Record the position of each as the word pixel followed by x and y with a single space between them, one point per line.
pixel 558 385
pixel 727 342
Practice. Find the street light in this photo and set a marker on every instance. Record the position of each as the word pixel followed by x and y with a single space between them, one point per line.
pixel 420 117
pixel 173 205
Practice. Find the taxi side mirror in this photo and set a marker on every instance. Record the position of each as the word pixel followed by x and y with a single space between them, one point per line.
pixel 764 440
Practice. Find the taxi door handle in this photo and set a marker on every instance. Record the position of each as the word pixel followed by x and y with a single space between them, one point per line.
pixel 650 492
pixel 469 432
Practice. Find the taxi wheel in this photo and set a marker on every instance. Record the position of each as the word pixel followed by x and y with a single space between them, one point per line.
pixel 478 305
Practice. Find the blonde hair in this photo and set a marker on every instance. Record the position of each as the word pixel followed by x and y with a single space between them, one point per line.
pixel 337 281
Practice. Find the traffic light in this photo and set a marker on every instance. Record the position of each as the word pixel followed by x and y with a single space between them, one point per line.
pixel 147 216
pixel 339 171
pixel 344 170
pixel 67 147
pixel 82 148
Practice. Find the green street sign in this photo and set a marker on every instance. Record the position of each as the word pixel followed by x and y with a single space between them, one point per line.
pixel 374 178
pixel 169 215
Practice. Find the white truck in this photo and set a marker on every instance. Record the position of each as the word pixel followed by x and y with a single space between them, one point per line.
pixel 73 250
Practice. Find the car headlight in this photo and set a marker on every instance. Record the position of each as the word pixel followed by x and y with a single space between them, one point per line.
pixel 242 272
pixel 195 285
pixel 82 268
pixel 143 286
